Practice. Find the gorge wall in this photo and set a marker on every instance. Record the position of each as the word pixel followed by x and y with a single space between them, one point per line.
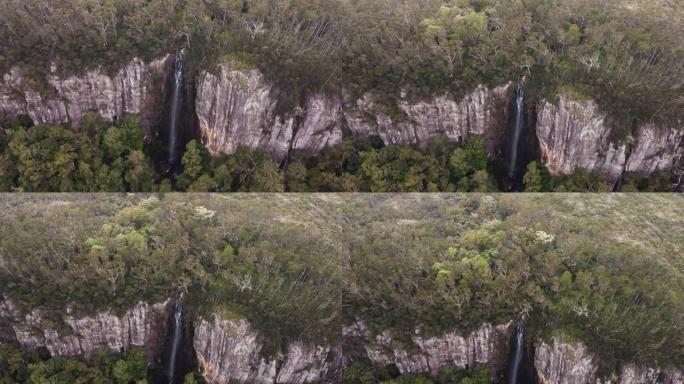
pixel 555 362
pixel 137 88
pixel 240 108
pixel 487 345
pixel 137 327
pixel 237 107
pixel 558 362
pixel 229 349
pixel 225 349
pixel 575 134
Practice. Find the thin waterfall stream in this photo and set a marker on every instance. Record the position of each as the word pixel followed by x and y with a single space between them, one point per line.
pixel 174 113
pixel 175 343
pixel 518 357
pixel 519 124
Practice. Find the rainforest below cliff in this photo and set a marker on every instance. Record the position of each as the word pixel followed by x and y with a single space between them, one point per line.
pixel 336 288
pixel 329 95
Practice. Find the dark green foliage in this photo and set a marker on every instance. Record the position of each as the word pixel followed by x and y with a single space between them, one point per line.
pixel 112 158
pixel 658 182
pixel 116 253
pixel 355 166
pixel 295 177
pixel 583 180
pixel 365 373
pixel 606 270
pixel 102 157
pixel 627 57
pixel 244 171
pixel 397 169
pixel 104 367
pixel 193 378
pixel 535 178
pixel 192 160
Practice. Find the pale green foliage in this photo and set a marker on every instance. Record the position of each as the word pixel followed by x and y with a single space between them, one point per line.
pixel 453 31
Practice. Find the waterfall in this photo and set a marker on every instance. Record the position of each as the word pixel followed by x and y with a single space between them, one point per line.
pixel 519 123
pixel 517 358
pixel 175 108
pixel 177 329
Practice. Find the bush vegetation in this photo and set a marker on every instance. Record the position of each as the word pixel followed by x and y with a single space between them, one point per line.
pixel 586 266
pixel 112 252
pixel 604 269
pixel 627 55
pixel 366 373
pixel 104 367
pixel 105 157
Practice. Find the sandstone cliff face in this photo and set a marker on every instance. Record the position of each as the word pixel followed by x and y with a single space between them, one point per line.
pixel 571 363
pixel 487 345
pixel 575 134
pixel 230 350
pixel 135 89
pixel 141 326
pixel 322 124
pixel 564 363
pixel 238 108
pixel 480 112
pixel 656 149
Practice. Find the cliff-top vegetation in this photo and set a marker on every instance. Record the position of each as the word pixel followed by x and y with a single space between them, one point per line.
pixel 604 269
pixel 627 55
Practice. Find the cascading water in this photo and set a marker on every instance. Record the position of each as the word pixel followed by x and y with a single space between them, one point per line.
pixel 174 113
pixel 175 343
pixel 519 123
pixel 517 358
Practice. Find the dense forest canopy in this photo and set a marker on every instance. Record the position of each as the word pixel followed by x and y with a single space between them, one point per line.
pixel 105 367
pixel 109 251
pixel 604 269
pixel 106 157
pixel 628 55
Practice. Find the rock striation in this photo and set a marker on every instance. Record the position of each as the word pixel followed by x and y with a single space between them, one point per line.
pixel 137 88
pixel 481 112
pixel 655 149
pixel 237 107
pixel 322 124
pixel 141 326
pixel 558 362
pixel 487 345
pixel 228 349
pixel 575 134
